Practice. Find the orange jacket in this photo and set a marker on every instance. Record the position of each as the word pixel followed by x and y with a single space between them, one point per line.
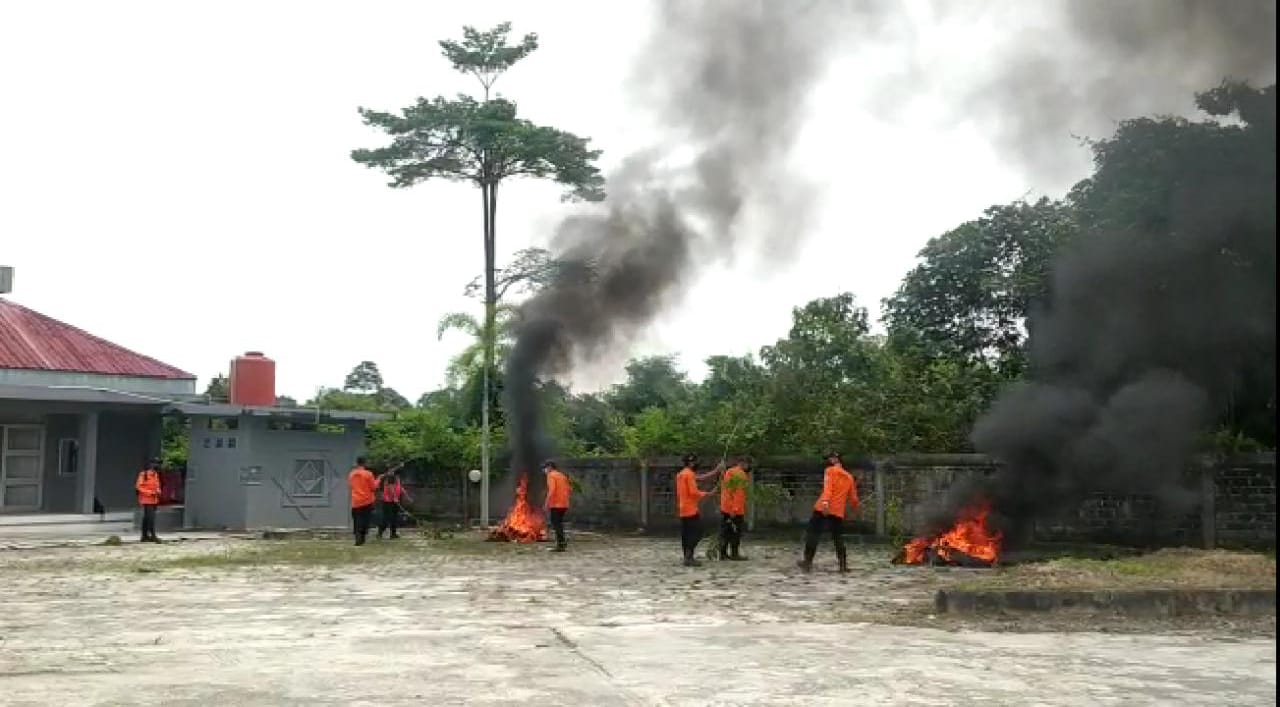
pixel 733 493
pixel 557 490
pixel 838 490
pixel 362 487
pixel 392 490
pixel 687 493
pixel 148 488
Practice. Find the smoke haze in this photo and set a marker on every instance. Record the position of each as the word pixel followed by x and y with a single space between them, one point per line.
pixel 729 83
pixel 1117 360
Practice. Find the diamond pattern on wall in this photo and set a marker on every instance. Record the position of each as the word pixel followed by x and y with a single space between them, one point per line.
pixel 309 479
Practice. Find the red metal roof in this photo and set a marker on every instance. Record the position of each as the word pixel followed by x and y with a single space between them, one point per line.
pixel 30 340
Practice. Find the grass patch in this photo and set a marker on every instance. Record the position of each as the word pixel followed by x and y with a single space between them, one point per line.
pixel 1180 568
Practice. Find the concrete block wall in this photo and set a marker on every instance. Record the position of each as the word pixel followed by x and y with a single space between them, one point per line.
pixel 1244 500
pixel 1232 502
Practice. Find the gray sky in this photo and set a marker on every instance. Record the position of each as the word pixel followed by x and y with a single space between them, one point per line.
pixel 176 176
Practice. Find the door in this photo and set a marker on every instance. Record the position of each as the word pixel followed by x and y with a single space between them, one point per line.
pixel 21 464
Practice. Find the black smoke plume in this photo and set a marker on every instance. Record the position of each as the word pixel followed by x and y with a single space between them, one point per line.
pixel 1149 332
pixel 728 82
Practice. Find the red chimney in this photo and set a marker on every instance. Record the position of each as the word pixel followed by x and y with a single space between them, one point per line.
pixel 253 380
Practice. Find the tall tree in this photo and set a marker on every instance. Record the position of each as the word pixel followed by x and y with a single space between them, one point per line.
pixel 485 143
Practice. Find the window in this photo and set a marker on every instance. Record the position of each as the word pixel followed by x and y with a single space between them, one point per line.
pixel 68 456
pixel 223 424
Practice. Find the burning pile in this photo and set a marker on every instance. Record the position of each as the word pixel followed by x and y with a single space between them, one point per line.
pixel 968 543
pixel 524 523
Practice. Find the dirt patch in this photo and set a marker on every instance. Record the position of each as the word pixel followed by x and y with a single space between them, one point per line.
pixel 1181 568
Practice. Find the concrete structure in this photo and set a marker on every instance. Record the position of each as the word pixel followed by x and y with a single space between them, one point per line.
pixel 80 416
pixel 270 467
pixel 1236 504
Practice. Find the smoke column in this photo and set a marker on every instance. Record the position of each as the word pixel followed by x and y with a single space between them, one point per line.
pixel 1147 329
pixel 1101 61
pixel 728 81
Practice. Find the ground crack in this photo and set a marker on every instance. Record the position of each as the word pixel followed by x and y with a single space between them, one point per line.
pixel 573 648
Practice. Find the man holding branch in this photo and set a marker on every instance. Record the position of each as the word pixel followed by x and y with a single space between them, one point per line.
pixel 688 496
pixel 392 492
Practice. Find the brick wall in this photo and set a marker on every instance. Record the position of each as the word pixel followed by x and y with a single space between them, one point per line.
pixel 1234 502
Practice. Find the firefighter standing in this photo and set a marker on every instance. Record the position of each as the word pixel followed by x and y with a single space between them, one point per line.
pixel 688 495
pixel 733 508
pixel 838 490
pixel 148 488
pixel 557 503
pixel 362 486
pixel 392 493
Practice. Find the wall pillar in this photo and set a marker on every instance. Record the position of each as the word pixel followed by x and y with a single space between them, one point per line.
pixel 88 470
pixel 1208 509
pixel 882 525
pixel 644 493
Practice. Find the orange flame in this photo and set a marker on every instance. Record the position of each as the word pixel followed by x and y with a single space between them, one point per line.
pixel 524 523
pixel 969 535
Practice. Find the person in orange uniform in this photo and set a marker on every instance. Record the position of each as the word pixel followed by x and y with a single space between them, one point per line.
pixel 148 488
pixel 557 503
pixel 392 492
pixel 362 486
pixel 733 508
pixel 688 495
pixel 839 490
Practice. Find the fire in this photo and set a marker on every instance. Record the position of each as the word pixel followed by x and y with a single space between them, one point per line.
pixel 969 539
pixel 524 523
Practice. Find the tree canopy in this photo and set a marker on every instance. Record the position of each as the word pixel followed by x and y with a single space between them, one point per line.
pixel 955 331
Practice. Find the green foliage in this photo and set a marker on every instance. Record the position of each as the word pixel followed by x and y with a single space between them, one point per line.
pixel 219 389
pixel 470 360
pixel 955 327
pixel 422 440
pixel 486 55
pixel 175 442
pixel 481 142
pixel 364 378
pixel 976 284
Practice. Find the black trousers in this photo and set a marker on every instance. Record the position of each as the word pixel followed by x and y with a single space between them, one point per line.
pixel 389 518
pixel 731 527
pixel 557 525
pixel 148 522
pixel 360 517
pixel 832 524
pixel 690 535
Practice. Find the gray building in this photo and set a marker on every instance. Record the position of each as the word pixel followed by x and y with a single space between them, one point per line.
pixel 270 467
pixel 80 416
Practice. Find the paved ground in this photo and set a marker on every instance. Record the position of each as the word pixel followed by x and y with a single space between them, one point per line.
pixel 613 622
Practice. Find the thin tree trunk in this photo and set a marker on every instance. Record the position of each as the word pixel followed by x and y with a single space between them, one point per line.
pixel 485 364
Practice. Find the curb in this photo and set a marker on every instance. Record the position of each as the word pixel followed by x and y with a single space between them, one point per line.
pixel 1141 602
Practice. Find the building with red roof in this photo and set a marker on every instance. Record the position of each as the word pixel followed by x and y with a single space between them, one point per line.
pixel 80 416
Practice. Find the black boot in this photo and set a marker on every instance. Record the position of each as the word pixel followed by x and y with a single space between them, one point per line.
pixel 807 563
pixel 844 561
pixel 689 559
